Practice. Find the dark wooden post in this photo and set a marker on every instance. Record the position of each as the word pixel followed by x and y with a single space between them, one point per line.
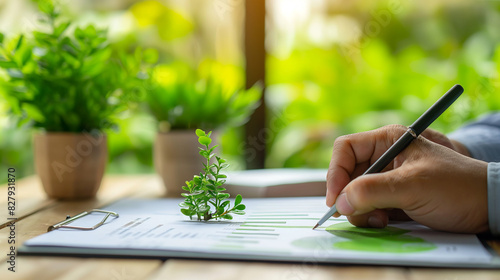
pixel 255 56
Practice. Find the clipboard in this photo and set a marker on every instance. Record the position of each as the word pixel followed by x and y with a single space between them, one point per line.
pixel 66 223
pixel 274 229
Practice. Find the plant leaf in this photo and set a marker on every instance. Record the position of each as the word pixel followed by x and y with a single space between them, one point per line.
pixel 188 212
pixel 186 204
pixel 33 112
pixel 59 30
pixel 203 153
pixel 25 55
pixel 210 187
pixel 212 172
pixel 240 207
pixel 224 204
pixel 79 34
pixel 203 208
pixel 197 192
pixel 223 196
pixel 228 217
pixel 46 6
pixel 7 64
pixel 238 199
pixel 200 133
pixel 204 140
pixel 220 160
pixel 19 42
pixel 197 180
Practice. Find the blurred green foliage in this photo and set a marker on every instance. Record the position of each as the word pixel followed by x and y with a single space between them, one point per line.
pixel 345 67
pixel 402 63
pixel 181 98
pixel 66 82
pixel 168 23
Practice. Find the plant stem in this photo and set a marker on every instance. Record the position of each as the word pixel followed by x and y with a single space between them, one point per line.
pixel 207 172
pixel 217 202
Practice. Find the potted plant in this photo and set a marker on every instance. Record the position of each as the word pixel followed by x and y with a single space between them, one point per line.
pixel 182 99
pixel 67 85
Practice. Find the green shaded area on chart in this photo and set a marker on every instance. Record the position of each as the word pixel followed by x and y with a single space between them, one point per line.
pixel 281 218
pixel 255 213
pixel 256 229
pixel 256 233
pixel 264 222
pixel 279 215
pixel 385 240
pixel 274 226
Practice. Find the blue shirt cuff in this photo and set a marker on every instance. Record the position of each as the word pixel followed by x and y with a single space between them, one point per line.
pixel 494 197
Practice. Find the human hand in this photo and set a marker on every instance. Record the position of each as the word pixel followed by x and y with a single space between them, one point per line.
pixel 439 138
pixel 430 183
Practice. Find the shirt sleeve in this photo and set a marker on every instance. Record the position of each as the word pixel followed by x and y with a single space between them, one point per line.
pixel 482 139
pixel 494 197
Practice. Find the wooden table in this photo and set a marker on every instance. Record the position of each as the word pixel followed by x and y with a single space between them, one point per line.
pixel 35 212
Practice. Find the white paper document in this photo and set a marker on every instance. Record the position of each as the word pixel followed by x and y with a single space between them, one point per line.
pixel 278 229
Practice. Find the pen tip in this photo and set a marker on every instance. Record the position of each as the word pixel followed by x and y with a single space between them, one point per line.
pixel 317 225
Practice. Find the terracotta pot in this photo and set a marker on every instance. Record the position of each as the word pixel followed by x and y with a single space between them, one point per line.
pixel 177 159
pixel 70 165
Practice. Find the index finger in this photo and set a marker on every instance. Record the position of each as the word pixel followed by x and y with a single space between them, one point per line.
pixel 353 154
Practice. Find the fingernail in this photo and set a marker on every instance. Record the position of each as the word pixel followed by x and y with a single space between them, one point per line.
pixel 375 222
pixel 343 206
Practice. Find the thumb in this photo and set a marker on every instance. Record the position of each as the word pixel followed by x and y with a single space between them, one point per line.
pixel 390 189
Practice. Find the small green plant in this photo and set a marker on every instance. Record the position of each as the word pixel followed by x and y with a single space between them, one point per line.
pixel 206 199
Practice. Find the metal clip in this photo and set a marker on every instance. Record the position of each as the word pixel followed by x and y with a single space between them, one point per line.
pixel 64 224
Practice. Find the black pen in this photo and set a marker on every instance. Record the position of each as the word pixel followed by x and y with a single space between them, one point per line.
pixel 412 133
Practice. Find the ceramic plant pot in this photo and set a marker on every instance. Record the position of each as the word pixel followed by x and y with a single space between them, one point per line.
pixel 70 165
pixel 177 159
